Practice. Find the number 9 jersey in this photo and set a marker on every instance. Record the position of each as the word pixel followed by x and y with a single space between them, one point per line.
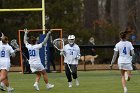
pixel 5 51
pixel 124 48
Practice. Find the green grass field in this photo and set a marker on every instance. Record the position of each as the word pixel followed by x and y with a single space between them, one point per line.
pixel 90 82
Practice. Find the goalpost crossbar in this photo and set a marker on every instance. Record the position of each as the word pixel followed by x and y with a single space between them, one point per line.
pixel 23 9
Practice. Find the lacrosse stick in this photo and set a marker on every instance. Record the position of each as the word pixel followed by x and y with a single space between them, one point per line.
pixel 14 43
pixel 16 46
pixel 59 45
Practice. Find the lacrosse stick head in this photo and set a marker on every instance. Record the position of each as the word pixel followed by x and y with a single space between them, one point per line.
pixel 58 44
pixel 14 43
pixel 1 35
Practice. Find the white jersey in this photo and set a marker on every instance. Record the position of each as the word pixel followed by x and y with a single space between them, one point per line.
pixel 5 51
pixel 34 57
pixel 71 53
pixel 124 48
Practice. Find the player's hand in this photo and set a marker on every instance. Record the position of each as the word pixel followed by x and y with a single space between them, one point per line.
pixel 17 49
pixel 50 31
pixel 77 57
pixel 26 31
pixel 61 52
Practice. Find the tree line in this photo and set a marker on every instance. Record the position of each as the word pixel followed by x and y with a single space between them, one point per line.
pixel 101 19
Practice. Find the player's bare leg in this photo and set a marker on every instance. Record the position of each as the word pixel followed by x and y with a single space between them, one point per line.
pixel 4 77
pixel 129 75
pixel 123 80
pixel 45 77
pixel 38 75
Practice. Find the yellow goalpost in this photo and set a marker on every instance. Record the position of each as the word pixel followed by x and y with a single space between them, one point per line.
pixel 30 9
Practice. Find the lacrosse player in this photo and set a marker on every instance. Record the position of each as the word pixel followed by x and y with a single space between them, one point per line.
pixel 72 55
pixel 5 52
pixel 34 59
pixel 2 85
pixel 125 49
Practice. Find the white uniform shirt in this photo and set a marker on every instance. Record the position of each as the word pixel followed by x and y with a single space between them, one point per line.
pixel 34 57
pixel 5 51
pixel 124 48
pixel 71 53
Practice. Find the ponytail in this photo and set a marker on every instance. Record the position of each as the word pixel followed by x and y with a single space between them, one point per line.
pixel 124 34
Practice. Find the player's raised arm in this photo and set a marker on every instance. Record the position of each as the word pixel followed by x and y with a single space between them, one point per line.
pixel 46 38
pixel 25 36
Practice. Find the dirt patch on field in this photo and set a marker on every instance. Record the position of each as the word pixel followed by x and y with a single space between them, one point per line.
pixel 80 67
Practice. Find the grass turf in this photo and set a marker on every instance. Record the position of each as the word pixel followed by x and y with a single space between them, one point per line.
pixel 90 82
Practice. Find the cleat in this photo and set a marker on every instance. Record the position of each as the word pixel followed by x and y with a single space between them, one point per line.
pixel 10 90
pixel 2 88
pixel 77 82
pixel 49 86
pixel 36 87
pixel 125 90
pixel 70 84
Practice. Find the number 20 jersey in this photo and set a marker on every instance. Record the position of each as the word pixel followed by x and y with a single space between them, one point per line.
pixel 124 48
pixel 33 50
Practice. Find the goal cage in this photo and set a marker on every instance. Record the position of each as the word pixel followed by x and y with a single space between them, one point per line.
pixel 50 57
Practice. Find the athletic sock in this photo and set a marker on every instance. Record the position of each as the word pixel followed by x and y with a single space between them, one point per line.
pixel 125 89
pixel 36 83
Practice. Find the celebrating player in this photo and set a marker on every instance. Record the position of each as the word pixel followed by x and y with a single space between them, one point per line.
pixel 71 52
pixel 125 50
pixel 34 59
